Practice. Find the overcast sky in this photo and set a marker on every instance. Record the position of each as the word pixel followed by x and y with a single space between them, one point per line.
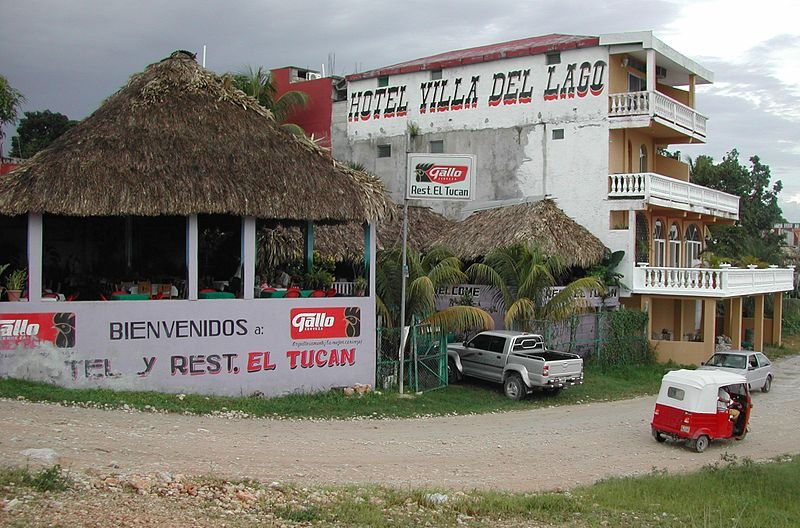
pixel 67 56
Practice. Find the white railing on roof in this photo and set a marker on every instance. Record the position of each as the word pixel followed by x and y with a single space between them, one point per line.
pixel 657 105
pixel 711 282
pixel 670 192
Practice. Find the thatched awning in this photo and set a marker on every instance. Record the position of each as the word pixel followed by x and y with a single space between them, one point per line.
pixel 343 241
pixel 180 140
pixel 541 222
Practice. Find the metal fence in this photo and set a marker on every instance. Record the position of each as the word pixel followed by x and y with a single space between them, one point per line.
pixel 425 366
pixel 582 334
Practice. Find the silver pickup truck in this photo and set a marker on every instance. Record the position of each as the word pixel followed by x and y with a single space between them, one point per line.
pixel 518 360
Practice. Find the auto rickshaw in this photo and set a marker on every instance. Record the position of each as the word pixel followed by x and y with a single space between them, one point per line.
pixel 697 406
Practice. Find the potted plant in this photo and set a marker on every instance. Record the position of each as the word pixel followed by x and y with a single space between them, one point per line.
pixel 360 286
pixel 317 280
pixel 15 283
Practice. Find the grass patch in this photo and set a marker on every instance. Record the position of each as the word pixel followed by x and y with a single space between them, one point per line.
pixel 47 479
pixel 468 397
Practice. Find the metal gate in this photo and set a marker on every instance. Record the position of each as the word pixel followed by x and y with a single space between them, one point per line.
pixel 425 366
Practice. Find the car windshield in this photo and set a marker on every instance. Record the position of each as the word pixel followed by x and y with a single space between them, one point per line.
pixel 727 361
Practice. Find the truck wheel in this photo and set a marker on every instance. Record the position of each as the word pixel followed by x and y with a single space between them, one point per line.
pixel 767 384
pixel 514 387
pixel 701 443
pixel 555 391
pixel 452 372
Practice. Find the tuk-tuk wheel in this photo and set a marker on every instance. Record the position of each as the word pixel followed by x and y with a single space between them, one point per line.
pixel 660 438
pixel 701 443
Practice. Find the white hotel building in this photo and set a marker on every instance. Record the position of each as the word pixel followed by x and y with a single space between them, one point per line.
pixel 581 120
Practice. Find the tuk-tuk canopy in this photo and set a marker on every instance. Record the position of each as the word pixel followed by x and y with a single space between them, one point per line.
pixel 696 390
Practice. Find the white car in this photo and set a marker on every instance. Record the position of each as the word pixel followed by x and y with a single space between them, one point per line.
pixel 754 366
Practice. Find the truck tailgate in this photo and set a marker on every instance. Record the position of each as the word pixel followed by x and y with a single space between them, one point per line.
pixel 564 368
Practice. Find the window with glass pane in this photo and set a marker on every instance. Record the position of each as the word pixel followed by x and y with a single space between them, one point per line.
pixel 659 243
pixel 674 246
pixel 692 242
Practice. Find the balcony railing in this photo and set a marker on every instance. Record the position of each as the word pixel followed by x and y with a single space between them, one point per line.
pixel 669 192
pixel 711 282
pixel 658 106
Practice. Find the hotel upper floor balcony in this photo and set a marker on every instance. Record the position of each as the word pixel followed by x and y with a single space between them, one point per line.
pixel 711 282
pixel 638 109
pixel 664 191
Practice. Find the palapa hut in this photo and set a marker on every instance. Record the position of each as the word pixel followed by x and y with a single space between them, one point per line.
pixel 179 145
pixel 343 241
pixel 540 221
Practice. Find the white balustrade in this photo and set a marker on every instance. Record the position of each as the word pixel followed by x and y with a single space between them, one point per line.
pixel 656 104
pixel 682 195
pixel 711 282
pixel 345 288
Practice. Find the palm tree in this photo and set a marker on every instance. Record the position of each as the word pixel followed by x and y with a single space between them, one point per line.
pixel 260 85
pixel 10 100
pixel 426 274
pixel 524 276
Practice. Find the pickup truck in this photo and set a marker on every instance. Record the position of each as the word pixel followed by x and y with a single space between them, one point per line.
pixel 518 360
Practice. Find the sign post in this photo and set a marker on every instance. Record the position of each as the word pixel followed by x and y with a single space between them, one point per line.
pixel 431 177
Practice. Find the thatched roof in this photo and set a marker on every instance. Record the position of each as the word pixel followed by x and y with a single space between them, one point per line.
pixel 179 140
pixel 542 222
pixel 346 240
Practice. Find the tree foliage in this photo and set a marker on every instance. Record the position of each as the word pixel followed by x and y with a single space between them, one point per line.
pixel 10 99
pixel 37 130
pixel 524 275
pixel 259 84
pixel 426 274
pixel 758 207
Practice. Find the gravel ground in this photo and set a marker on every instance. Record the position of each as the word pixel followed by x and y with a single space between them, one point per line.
pixel 559 447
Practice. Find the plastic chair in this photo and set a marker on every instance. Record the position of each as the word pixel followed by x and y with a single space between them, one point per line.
pixel 317 293
pixel 207 290
pixel 293 293
pixel 331 292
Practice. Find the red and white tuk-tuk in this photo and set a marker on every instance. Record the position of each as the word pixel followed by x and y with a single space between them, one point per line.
pixel 697 406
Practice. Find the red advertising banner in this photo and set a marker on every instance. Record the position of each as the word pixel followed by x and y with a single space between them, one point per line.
pixel 30 329
pixel 326 323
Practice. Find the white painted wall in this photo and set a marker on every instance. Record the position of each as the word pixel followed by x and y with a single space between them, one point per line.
pixel 242 347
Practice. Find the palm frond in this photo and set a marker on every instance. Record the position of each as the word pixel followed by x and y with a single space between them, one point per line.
pixel 461 319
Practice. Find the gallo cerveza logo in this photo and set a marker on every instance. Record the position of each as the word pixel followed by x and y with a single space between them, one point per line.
pixel 315 323
pixel 18 328
pixel 32 328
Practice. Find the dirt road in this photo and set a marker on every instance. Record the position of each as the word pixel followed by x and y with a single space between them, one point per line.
pixel 523 451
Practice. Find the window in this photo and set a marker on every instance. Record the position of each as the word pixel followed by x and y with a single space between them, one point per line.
pixel 383 80
pixel 436 147
pixel 481 341
pixel 659 243
pixel 553 58
pixel 692 241
pixel 436 74
pixel 636 84
pixel 675 393
pixel 558 133
pixel 643 159
pixel 674 245
pixel 384 151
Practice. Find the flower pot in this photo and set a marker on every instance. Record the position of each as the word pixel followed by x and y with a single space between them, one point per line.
pixel 13 295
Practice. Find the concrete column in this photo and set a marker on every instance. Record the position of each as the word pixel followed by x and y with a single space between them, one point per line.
pixel 192 256
pixel 709 316
pixel 736 323
pixel 651 70
pixel 35 235
pixel 248 257
pixel 777 319
pixel 758 324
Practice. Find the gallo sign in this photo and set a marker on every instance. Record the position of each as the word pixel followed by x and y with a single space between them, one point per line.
pixel 440 177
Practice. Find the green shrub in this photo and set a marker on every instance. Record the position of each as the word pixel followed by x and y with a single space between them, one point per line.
pixel 626 341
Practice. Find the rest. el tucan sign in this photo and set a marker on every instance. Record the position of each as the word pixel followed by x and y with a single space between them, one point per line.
pixel 440 177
